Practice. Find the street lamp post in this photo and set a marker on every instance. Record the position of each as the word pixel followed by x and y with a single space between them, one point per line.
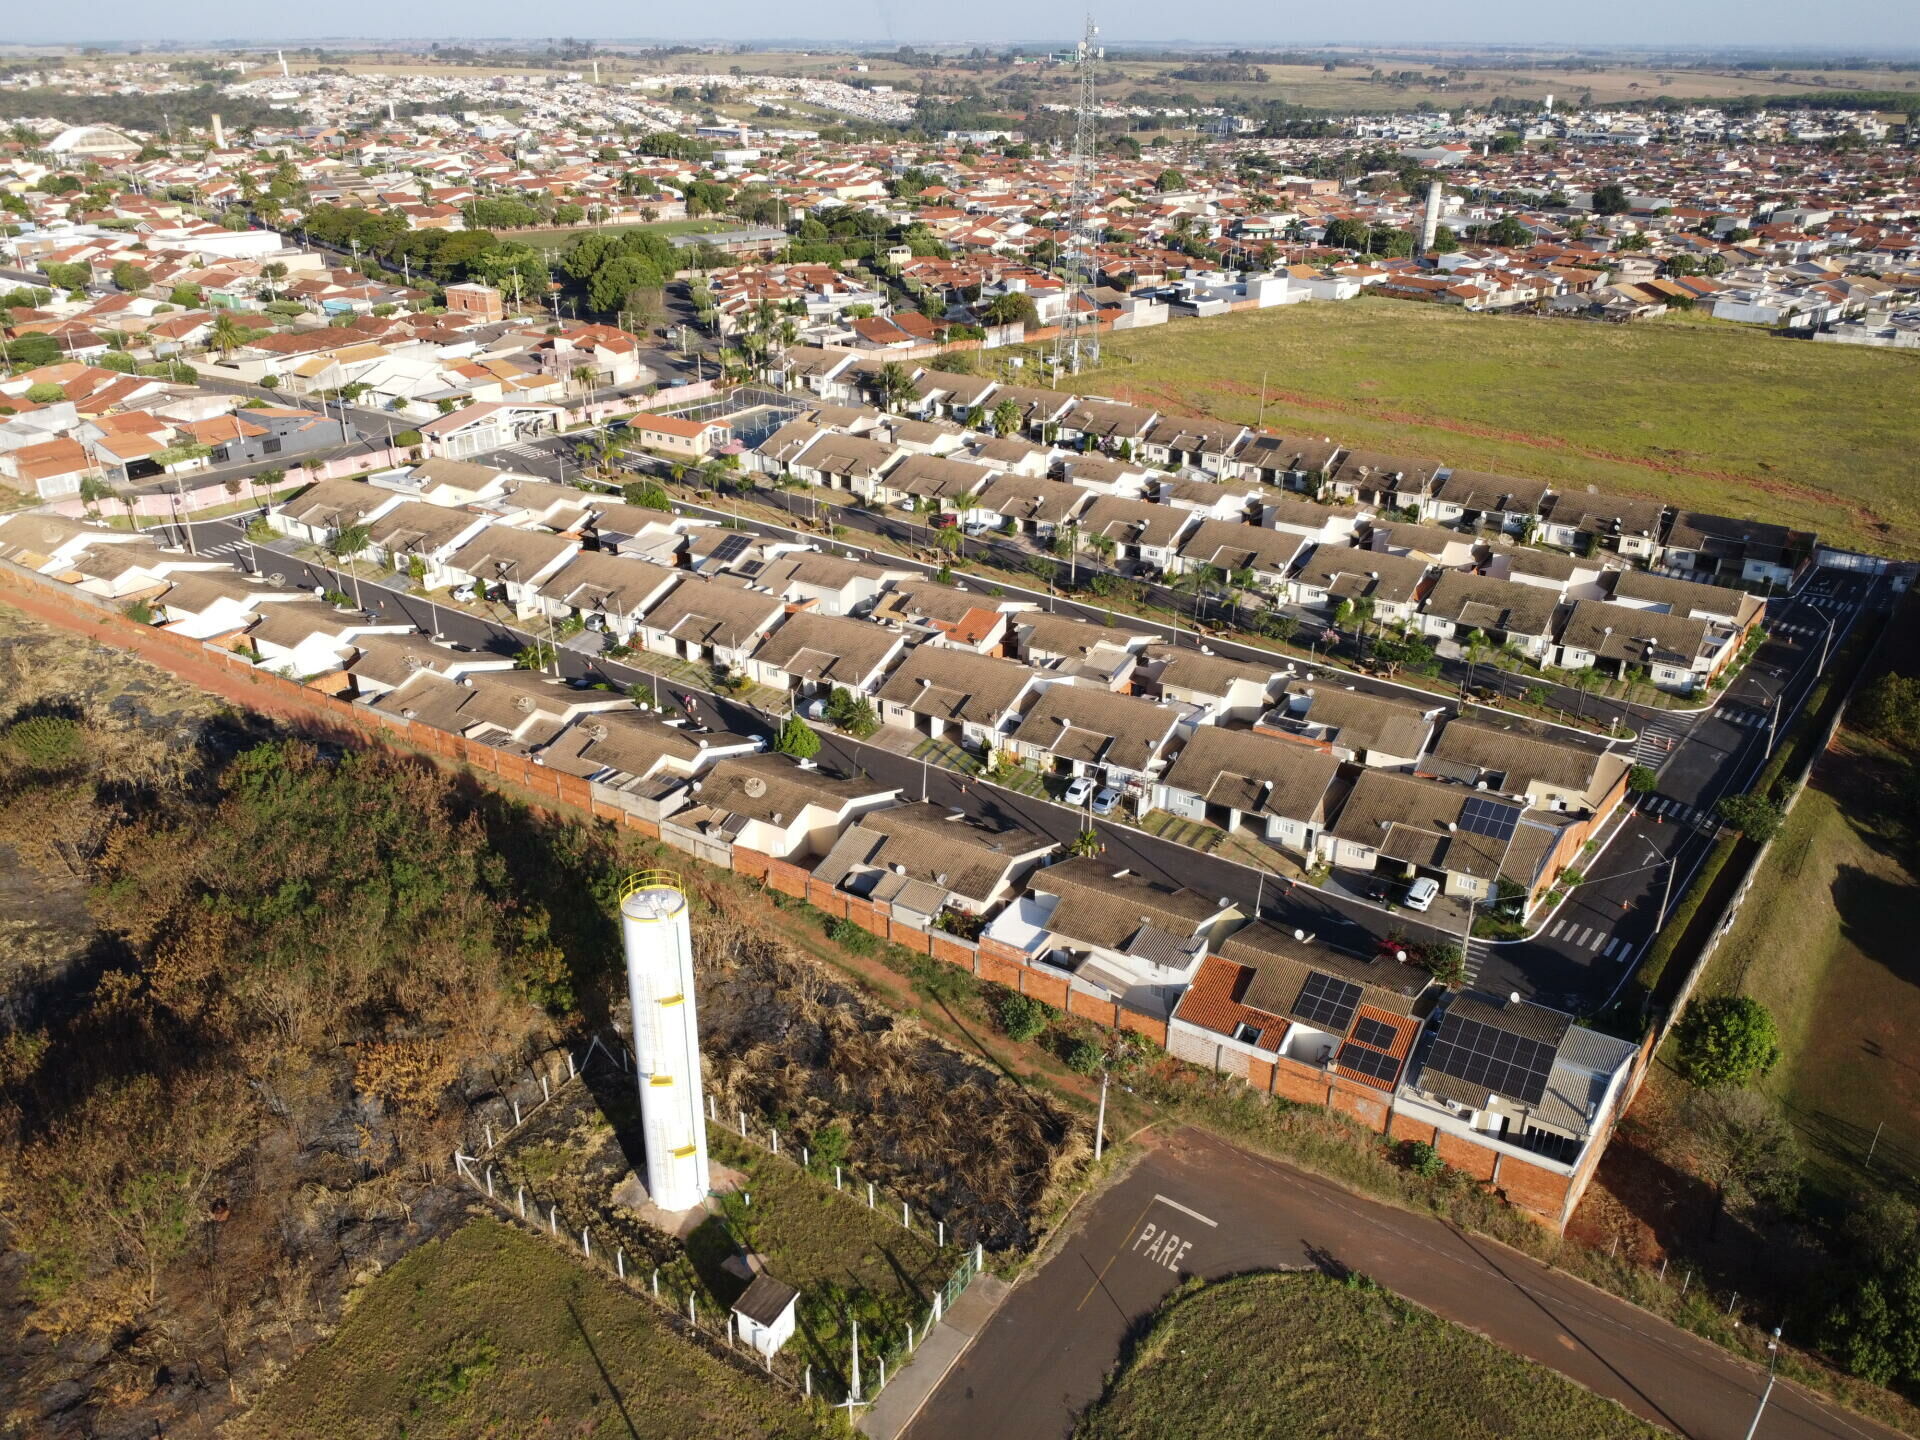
pixel 1773 1362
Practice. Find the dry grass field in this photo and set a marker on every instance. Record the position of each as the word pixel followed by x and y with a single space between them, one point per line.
pixel 1715 416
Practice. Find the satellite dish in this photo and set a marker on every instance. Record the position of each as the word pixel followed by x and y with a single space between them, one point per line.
pixel 597 730
pixel 276 578
pixel 523 703
pixel 754 786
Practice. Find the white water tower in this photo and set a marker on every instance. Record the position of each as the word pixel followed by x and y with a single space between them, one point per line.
pixel 666 1037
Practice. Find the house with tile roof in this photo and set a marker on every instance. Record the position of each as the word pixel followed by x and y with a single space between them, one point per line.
pixel 922 860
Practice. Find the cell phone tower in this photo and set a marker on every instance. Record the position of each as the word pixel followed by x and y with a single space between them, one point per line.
pixel 666 1037
pixel 1070 346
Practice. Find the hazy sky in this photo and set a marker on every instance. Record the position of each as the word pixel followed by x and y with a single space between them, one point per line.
pixel 1858 24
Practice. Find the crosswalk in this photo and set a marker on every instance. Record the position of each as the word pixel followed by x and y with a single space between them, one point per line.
pixel 230 547
pixel 1665 807
pixel 1659 736
pixel 523 452
pixel 1594 939
pixel 1744 716
pixel 1476 957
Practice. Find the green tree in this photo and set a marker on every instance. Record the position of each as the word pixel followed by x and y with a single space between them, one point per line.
pixel 226 334
pixel 797 739
pixel 1014 307
pixel 1726 1040
pixel 1641 779
pixel 1610 199
pixel 129 276
pixel 647 494
pixel 1023 1018
pixel 538 655
pixel 46 392
pixel 1888 708
pixel 349 542
pixel 1006 417
pixel 1169 180
pixel 1754 816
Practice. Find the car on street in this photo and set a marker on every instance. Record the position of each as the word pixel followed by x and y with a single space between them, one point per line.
pixel 1078 791
pixel 1422 893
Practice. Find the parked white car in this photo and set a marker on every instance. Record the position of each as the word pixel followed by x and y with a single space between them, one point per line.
pixel 1078 790
pixel 1422 893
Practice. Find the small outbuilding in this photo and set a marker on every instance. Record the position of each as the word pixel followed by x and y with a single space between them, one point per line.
pixel 765 1314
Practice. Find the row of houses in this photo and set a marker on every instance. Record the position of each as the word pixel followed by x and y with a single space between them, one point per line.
pixel 1316 525
pixel 1512 1092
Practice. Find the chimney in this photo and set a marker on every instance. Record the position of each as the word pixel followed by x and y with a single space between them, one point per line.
pixel 219 133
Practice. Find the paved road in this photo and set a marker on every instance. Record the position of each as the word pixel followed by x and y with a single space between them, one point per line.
pixel 1197 1206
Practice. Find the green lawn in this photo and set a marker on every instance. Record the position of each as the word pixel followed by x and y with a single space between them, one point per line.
pixel 492 1332
pixel 1716 416
pixel 1824 940
pixel 1262 1357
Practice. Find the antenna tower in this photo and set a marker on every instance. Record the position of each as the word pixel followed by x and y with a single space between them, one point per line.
pixel 1076 261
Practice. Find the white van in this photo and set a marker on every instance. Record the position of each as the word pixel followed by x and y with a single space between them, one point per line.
pixel 1422 892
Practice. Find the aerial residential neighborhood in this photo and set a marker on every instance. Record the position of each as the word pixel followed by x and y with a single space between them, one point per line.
pixel 751 740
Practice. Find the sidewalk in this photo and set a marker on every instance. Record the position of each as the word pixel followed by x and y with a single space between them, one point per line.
pixel 908 1392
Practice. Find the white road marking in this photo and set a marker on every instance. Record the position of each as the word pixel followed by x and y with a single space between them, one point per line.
pixel 1597 941
pixel 1581 938
pixel 1188 1210
pixel 1558 926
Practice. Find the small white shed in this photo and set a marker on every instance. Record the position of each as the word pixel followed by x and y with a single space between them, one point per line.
pixel 766 1313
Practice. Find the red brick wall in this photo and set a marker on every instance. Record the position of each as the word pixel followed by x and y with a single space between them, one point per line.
pixel 1465 1156
pixel 1050 988
pixel 1403 1127
pixel 1529 1187
pixel 751 863
pixel 1154 1030
pixel 1369 1107
pixel 999 971
pixel 1087 1008
pixel 787 879
pixel 1293 1081
pixel 951 949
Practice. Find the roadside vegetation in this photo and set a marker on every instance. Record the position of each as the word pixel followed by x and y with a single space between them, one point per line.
pixel 1781 1121
pixel 1283 1355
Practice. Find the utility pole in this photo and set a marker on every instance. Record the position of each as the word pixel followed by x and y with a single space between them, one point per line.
pixel 1100 1125
pixel 1077 260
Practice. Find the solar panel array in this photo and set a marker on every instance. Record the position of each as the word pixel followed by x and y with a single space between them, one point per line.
pixel 1376 1063
pixel 1493 818
pixel 1492 1059
pixel 1327 1001
pixel 732 548
pixel 1372 1032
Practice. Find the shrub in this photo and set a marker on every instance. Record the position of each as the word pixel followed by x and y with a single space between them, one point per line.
pixel 1888 709
pixel 1024 1018
pixel 1726 1040
pixel 44 742
pixel 850 937
pixel 1422 1159
pixel 1082 1057
pixel 1641 779
pixel 829 1146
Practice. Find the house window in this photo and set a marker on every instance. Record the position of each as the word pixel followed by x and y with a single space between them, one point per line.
pixel 1247 1034
pixel 270 447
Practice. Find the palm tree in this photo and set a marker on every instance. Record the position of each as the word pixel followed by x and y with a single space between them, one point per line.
pixel 1476 651
pixel 895 383
pixel 583 377
pixel 226 335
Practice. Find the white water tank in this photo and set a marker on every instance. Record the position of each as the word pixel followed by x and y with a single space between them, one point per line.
pixel 666 1037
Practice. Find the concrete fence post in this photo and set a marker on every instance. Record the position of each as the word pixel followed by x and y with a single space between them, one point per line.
pixel 520 1200
pixel 806 1381
pixel 656 1283
pixel 586 1246
pixel 836 1177
pixel 743 1123
pixel 692 1319
pixel 545 1094
pixel 869 1195
pixel 906 1216
pixel 806 1157
pixel 516 1113
pixel 489 1182
pixel 620 1262
pixel 775 1134
pixel 938 1307
pixel 713 1110
pixel 489 1133
pixel 940 1233
pixel 553 1219
pixel 571 1072
pixel 883 1376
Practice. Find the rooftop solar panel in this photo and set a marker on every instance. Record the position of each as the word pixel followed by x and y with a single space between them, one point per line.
pixel 1376 1063
pixel 1492 1059
pixel 1372 1032
pixel 1493 818
pixel 1327 1001
pixel 732 547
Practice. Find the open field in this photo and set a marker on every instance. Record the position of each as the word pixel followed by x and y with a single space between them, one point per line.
pixel 491 1332
pixel 1280 1355
pixel 1713 416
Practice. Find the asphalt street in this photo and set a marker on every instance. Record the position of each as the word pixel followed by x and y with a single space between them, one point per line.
pixel 1197 1206
pixel 1577 959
